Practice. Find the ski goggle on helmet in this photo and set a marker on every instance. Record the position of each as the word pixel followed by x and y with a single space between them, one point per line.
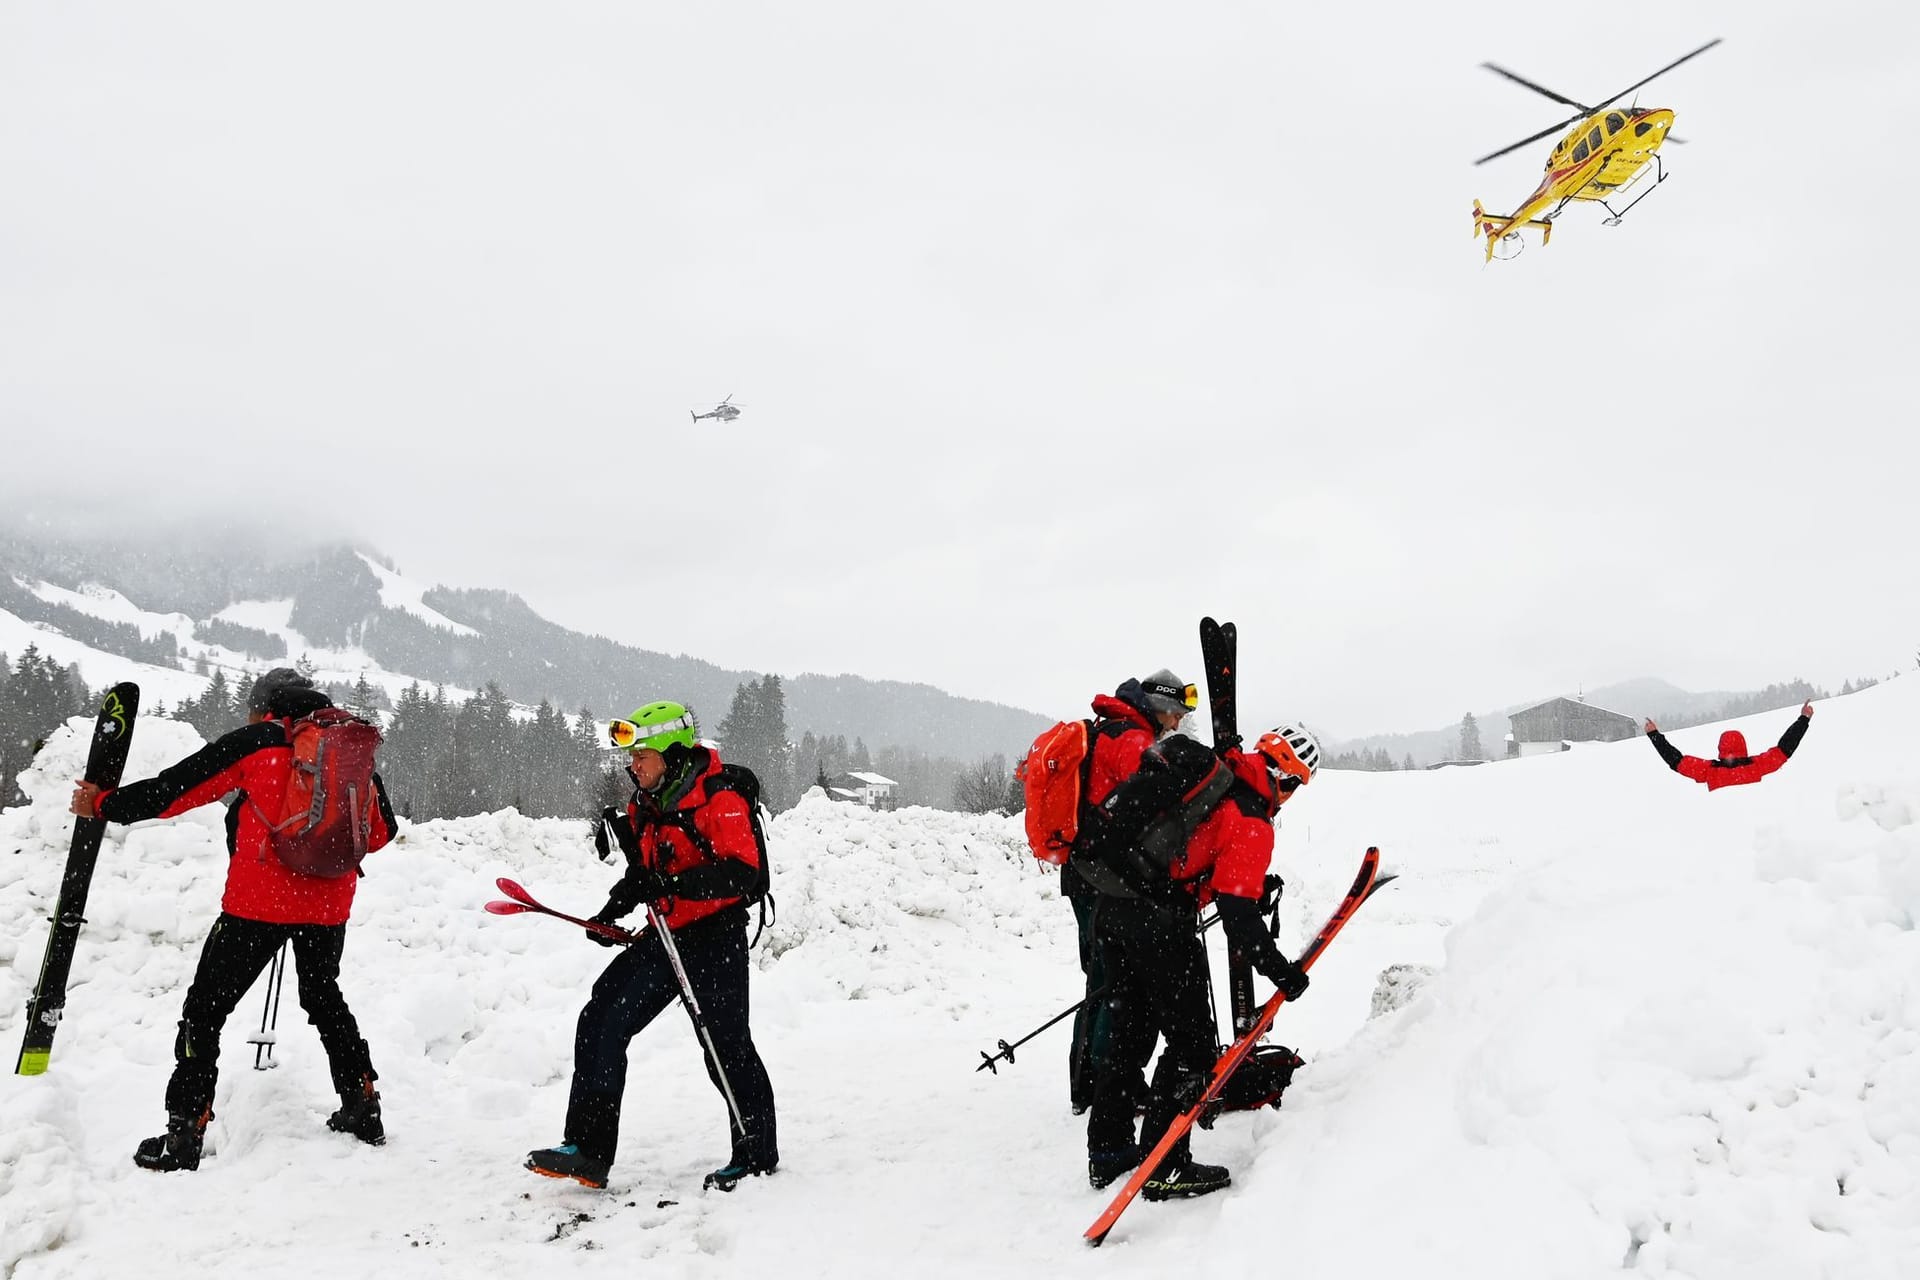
pixel 656 726
pixel 1291 750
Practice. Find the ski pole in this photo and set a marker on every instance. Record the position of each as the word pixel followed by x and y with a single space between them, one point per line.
pixel 987 1060
pixel 263 1041
pixel 1006 1050
pixel 692 1005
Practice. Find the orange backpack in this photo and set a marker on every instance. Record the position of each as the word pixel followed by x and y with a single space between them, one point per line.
pixel 1053 777
pixel 325 824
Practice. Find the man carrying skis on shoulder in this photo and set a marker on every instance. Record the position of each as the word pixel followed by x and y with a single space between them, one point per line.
pixel 694 856
pixel 1734 767
pixel 266 905
pixel 1125 725
pixel 1192 827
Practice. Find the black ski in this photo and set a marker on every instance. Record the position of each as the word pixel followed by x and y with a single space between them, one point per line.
pixel 1219 645
pixel 112 735
pixel 1218 642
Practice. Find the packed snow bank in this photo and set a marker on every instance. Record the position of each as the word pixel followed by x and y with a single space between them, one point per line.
pixel 916 915
pixel 1665 1031
pixel 1686 1043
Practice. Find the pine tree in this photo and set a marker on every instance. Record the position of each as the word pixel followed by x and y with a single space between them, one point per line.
pixel 363 702
pixel 1470 748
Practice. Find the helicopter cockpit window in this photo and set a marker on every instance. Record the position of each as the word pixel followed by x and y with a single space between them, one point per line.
pixel 1642 129
pixel 1615 122
pixel 1580 151
pixel 1593 139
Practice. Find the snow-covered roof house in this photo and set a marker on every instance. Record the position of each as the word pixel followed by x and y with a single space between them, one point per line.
pixel 1553 724
pixel 870 789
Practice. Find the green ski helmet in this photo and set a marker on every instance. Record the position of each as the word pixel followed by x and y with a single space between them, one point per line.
pixel 658 725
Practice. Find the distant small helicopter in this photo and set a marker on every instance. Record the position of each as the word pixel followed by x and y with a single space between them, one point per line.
pixel 725 411
pixel 1606 153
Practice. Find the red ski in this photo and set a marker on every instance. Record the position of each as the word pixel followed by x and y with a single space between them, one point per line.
pixel 524 901
pixel 1364 886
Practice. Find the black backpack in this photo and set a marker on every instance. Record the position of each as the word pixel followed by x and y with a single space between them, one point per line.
pixel 1131 842
pixel 744 783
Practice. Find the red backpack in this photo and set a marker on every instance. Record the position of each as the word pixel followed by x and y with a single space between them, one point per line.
pixel 325 824
pixel 1053 778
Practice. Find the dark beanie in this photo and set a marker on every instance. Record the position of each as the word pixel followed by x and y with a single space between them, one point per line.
pixel 274 681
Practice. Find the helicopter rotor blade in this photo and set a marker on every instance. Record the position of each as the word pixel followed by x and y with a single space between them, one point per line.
pixel 1542 90
pixel 1535 137
pixel 1662 71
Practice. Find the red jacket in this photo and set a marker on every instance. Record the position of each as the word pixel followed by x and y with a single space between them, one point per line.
pixel 729 862
pixel 1121 735
pixel 1734 767
pixel 256 761
pixel 1232 848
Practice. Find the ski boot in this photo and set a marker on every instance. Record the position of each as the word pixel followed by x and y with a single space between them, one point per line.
pixel 177 1148
pixel 1104 1168
pixel 1188 1178
pixel 359 1114
pixel 741 1166
pixel 568 1161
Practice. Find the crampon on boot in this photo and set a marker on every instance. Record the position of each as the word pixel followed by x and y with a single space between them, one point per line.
pixel 177 1148
pixel 359 1114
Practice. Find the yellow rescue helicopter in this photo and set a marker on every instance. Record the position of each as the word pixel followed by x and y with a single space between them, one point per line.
pixel 1607 152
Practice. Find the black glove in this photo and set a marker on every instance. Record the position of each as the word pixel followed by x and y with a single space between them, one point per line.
pixel 1284 974
pixel 602 841
pixel 608 915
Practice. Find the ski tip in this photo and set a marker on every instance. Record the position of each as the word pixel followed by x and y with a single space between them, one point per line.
pixel 33 1062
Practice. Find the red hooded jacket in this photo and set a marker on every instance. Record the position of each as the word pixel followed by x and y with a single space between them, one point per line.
pixel 729 862
pixel 1734 767
pixel 256 761
pixel 1121 735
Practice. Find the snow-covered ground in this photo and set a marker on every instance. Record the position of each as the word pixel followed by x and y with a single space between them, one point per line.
pixel 1669 1032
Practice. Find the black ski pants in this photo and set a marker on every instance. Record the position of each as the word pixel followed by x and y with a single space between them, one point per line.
pixel 631 993
pixel 1156 967
pixel 234 954
pixel 1092 1024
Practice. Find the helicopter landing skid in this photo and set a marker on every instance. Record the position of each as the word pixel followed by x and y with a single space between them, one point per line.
pixel 1660 176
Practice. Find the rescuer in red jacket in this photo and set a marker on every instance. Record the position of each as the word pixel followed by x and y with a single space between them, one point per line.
pixel 1734 767
pixel 1126 723
pixel 266 905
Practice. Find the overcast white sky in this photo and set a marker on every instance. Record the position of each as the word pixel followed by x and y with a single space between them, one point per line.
pixel 1056 326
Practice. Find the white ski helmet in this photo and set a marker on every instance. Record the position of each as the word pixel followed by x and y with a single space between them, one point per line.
pixel 1291 750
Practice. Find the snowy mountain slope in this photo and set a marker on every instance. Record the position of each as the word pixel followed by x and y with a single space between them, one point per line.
pixel 1671 1032
pixel 96 668
pixel 351 614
